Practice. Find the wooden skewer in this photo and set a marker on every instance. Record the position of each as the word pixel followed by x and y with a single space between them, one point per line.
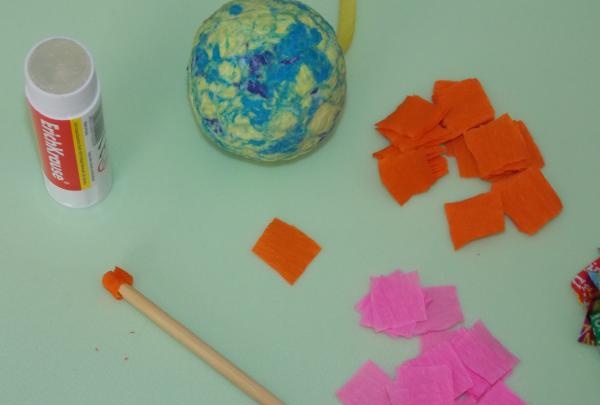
pixel 119 283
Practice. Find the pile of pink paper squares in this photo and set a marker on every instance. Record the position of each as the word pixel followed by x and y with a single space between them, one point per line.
pixel 461 366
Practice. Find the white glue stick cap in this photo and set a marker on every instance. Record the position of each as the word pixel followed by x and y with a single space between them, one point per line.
pixel 60 79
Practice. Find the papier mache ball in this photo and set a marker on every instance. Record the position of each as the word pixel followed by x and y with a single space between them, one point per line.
pixel 266 79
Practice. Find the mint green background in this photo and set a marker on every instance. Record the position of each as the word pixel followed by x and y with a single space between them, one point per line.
pixel 182 216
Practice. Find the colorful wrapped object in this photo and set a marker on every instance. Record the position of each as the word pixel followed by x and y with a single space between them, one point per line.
pixel 586 287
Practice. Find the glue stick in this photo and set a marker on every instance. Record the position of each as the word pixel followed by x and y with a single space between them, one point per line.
pixel 63 93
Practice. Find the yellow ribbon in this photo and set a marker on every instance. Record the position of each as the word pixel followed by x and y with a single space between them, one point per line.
pixel 346 23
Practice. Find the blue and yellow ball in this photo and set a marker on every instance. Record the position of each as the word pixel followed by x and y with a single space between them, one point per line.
pixel 266 79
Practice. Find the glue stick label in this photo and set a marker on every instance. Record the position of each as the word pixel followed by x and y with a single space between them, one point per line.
pixel 73 152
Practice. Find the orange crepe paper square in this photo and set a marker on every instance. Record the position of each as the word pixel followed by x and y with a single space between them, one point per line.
pixel 414 117
pixel 535 158
pixel 467 167
pixel 286 249
pixel 529 200
pixel 497 147
pixel 474 218
pixel 406 174
pixel 467 104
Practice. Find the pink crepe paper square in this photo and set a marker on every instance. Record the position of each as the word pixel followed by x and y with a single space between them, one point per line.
pixel 366 386
pixel 410 330
pixel 483 354
pixel 500 394
pixel 422 386
pixel 443 312
pixel 444 355
pixel 397 300
pixel 431 339
pixel 394 304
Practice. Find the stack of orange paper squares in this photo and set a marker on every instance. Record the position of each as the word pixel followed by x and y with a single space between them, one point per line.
pixel 461 123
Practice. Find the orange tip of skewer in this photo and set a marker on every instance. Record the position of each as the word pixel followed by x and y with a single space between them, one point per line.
pixel 112 281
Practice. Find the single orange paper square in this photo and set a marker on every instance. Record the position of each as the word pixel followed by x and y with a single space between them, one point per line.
pixel 528 200
pixel 406 174
pixel 414 117
pixel 498 147
pixel 474 218
pixel 466 102
pixel 286 249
